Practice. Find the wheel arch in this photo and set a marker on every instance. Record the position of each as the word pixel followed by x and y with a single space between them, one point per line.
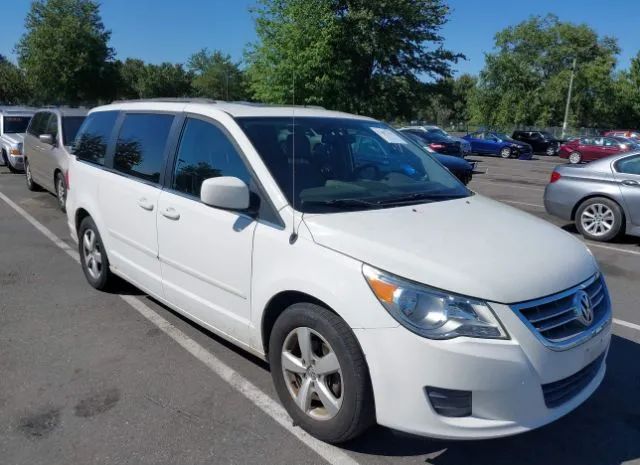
pixel 80 215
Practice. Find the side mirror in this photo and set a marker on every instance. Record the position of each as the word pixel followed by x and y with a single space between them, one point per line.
pixel 225 192
pixel 46 139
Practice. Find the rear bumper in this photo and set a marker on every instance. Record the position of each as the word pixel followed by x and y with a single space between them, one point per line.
pixel 559 201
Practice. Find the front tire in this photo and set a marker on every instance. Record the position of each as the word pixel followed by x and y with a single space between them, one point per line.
pixel 575 158
pixel 93 256
pixel 505 152
pixel 31 184
pixel 599 219
pixel 320 373
pixel 61 191
pixel 5 158
pixel 551 151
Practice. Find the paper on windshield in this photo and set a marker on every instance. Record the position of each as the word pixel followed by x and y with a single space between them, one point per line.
pixel 388 135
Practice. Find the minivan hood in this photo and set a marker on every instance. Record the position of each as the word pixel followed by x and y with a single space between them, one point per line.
pixel 473 246
pixel 14 138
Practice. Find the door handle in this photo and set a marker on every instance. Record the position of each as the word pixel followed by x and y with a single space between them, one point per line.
pixel 145 204
pixel 171 214
pixel 631 182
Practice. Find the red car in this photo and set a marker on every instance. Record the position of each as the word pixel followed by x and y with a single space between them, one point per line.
pixel 592 148
pixel 629 133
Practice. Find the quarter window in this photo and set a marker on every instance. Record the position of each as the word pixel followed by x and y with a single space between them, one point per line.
pixel 629 165
pixel 205 152
pixel 92 139
pixel 141 145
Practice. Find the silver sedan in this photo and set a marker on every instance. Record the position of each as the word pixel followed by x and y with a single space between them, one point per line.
pixel 602 197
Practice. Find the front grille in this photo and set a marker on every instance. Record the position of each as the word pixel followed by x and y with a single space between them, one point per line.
pixel 555 319
pixel 559 392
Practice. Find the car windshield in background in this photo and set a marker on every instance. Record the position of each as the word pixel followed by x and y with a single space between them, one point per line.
pixel 501 136
pixel 348 164
pixel 438 131
pixel 546 134
pixel 70 126
pixel 16 124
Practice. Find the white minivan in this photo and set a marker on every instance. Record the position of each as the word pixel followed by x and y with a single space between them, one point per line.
pixel 378 287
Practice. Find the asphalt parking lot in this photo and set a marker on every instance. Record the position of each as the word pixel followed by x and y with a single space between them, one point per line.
pixel 89 377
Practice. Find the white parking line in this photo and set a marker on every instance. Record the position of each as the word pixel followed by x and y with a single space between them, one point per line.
pixel 626 324
pixel 265 403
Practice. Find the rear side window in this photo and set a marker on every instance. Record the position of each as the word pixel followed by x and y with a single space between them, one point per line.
pixel 92 139
pixel 141 145
pixel 205 152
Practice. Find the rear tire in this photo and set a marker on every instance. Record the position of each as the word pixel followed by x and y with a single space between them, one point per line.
pixel 599 219
pixel 93 256
pixel 339 404
pixel 5 158
pixel 575 158
pixel 31 185
pixel 61 191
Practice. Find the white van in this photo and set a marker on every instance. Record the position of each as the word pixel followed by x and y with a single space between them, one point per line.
pixel 378 287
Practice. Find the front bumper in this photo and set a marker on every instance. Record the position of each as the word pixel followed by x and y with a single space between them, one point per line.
pixel 17 161
pixel 505 378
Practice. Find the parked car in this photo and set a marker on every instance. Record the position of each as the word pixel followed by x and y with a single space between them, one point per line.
pixel 13 124
pixel 46 149
pixel 462 169
pixel 603 197
pixel 592 148
pixel 540 141
pixel 465 146
pixel 355 281
pixel 436 141
pixel 629 133
pixel 498 144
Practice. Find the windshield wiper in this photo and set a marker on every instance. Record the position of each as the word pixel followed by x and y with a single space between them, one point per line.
pixel 343 203
pixel 420 196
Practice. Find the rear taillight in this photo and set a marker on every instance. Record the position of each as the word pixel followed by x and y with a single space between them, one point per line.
pixel 436 146
pixel 555 176
pixel 66 179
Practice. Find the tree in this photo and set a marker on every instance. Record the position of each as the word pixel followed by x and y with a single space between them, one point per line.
pixel 137 79
pixel 13 88
pixel 64 51
pixel 525 81
pixel 216 76
pixel 353 55
pixel 627 95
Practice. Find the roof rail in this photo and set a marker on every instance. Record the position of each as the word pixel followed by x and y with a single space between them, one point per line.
pixel 260 104
pixel 170 100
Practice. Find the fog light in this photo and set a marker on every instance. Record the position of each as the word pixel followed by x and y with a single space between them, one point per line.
pixel 449 402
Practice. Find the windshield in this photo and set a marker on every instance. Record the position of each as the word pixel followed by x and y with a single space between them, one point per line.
pixel 70 126
pixel 439 131
pixel 546 134
pixel 16 124
pixel 348 164
pixel 502 136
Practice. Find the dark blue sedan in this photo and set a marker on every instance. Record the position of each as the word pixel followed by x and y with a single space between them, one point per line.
pixel 498 144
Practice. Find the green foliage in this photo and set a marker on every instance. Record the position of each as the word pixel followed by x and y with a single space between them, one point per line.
pixel 525 81
pixel 64 51
pixel 216 76
pixel 13 87
pixel 352 55
pixel 138 79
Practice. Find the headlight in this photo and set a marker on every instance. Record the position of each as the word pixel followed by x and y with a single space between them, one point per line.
pixel 433 313
pixel 17 149
pixel 515 146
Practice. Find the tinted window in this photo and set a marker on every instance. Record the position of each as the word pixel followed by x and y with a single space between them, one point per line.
pixel 39 123
pixel 15 124
pixel 205 152
pixel 92 139
pixel 52 126
pixel 70 126
pixel 141 144
pixel 629 165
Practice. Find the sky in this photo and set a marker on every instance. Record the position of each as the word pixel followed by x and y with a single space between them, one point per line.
pixel 170 30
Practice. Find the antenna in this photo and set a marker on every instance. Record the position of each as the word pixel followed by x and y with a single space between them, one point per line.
pixel 294 235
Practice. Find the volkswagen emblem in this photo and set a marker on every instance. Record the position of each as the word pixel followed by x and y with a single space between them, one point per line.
pixel 583 309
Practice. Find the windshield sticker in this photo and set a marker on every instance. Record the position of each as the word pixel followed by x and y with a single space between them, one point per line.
pixel 388 135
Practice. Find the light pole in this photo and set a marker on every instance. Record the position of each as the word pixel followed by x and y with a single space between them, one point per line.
pixel 566 110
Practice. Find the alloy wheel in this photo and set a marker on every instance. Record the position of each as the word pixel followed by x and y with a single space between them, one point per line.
pixel 61 190
pixel 597 219
pixel 27 172
pixel 92 254
pixel 312 373
pixel 551 151
pixel 505 152
pixel 575 158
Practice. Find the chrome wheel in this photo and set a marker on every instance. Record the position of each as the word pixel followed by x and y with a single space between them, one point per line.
pixel 551 151
pixel 312 373
pixel 27 172
pixel 61 190
pixel 505 152
pixel 92 254
pixel 575 158
pixel 597 219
